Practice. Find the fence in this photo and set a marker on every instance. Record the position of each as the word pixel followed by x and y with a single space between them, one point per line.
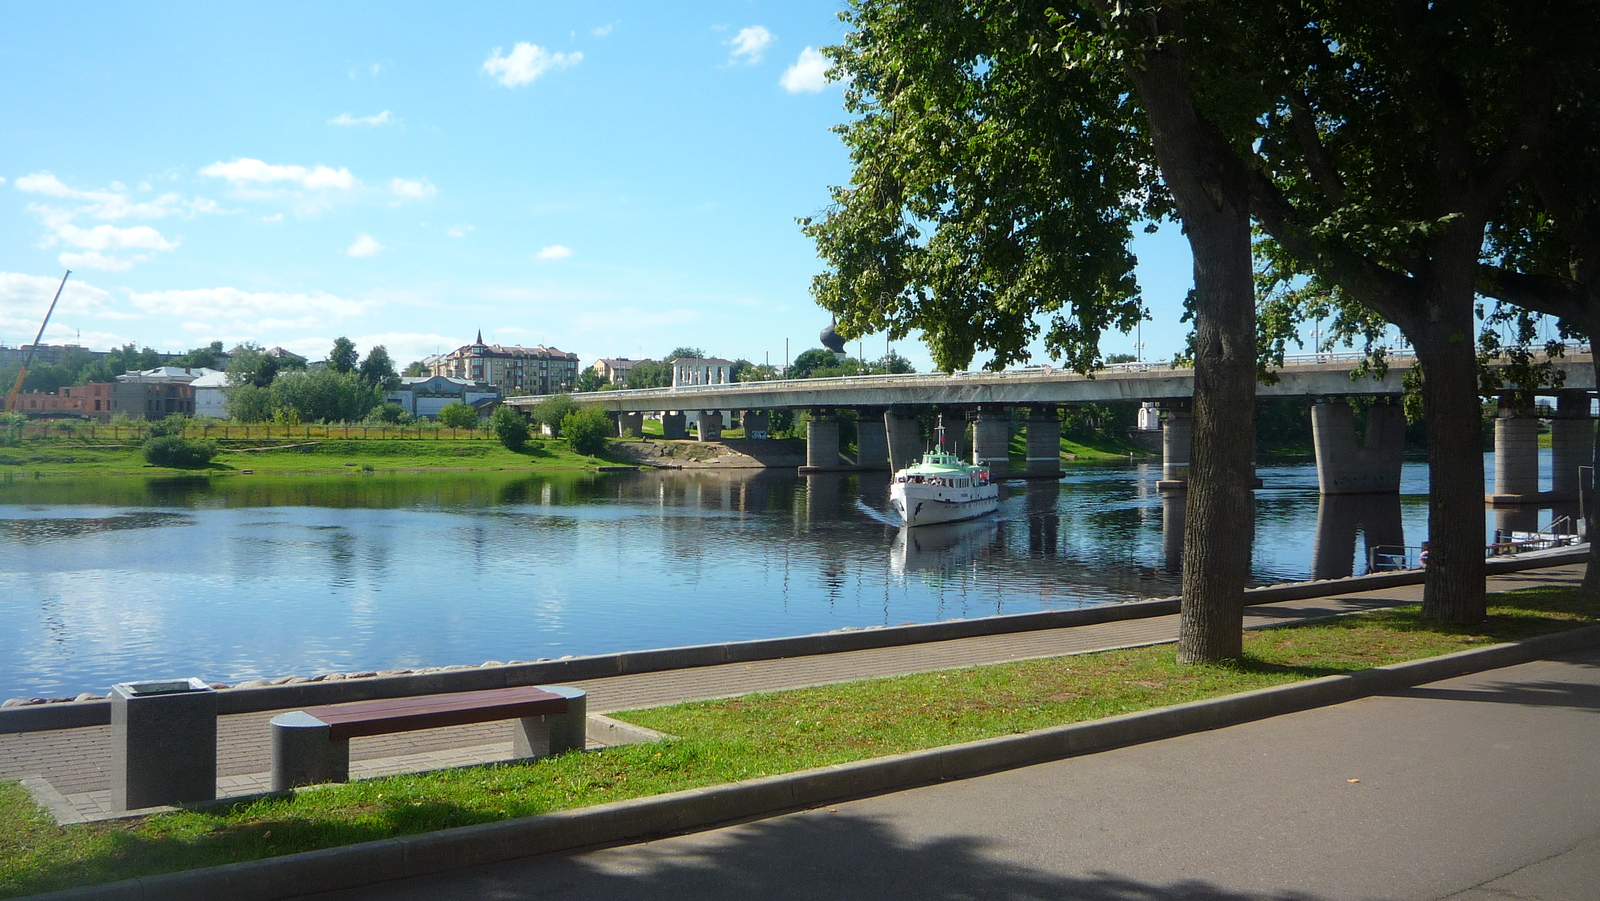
pixel 138 431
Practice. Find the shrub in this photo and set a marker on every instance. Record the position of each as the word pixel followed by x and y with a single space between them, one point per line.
pixel 458 415
pixel 179 453
pixel 509 427
pixel 587 431
pixel 554 410
pixel 388 414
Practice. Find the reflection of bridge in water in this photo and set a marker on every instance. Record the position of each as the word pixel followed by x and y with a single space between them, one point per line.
pixel 1349 460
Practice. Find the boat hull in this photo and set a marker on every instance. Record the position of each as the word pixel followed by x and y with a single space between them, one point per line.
pixel 921 505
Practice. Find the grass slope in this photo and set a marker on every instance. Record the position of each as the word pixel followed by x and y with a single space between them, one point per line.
pixel 729 740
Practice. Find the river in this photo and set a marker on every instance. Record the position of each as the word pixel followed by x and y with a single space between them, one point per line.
pixel 239 577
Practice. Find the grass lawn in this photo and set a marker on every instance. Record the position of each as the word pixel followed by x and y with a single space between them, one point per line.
pixel 72 457
pixel 729 740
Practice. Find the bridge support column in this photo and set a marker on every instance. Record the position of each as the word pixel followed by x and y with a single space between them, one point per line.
pixel 755 421
pixel 991 440
pixel 905 438
pixel 872 439
pixel 630 425
pixel 709 425
pixel 1516 453
pixel 673 427
pixel 822 442
pixel 1177 436
pixel 1343 466
pixel 1044 443
pixel 1571 443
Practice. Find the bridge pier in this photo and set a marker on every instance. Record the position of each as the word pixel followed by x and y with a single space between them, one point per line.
pixel 755 421
pixel 708 425
pixel 872 439
pixel 1177 437
pixel 1044 442
pixel 673 426
pixel 1516 452
pixel 822 442
pixel 991 440
pixel 1571 444
pixel 904 436
pixel 630 425
pixel 1343 467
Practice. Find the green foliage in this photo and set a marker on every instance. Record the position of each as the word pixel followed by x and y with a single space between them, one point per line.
pixel 589 380
pixel 209 357
pixel 326 395
pixel 458 415
pixel 587 431
pixel 177 452
pixel 650 374
pixel 342 358
pixel 553 410
pixel 11 427
pixel 248 403
pixel 251 366
pixel 377 369
pixel 807 364
pixel 686 353
pixel 416 369
pixel 510 427
pixel 389 413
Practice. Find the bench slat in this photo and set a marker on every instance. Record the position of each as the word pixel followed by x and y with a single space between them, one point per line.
pixel 436 711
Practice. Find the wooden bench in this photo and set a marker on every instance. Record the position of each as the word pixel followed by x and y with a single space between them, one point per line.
pixel 312 746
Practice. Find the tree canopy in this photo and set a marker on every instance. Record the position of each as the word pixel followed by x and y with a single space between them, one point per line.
pixel 343 356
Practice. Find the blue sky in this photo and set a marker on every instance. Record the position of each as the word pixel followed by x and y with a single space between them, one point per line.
pixel 613 179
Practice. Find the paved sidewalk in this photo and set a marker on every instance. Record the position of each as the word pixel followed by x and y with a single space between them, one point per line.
pixel 1480 788
pixel 75 762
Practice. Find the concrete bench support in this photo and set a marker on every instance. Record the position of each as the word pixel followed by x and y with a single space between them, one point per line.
pixel 163 743
pixel 303 752
pixel 556 733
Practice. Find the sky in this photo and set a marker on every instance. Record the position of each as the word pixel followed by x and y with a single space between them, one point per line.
pixel 611 179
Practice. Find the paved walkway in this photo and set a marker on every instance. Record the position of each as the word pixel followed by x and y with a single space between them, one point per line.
pixel 1480 788
pixel 75 762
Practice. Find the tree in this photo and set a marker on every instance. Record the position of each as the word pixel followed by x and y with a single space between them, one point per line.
pixel 686 353
pixel 649 374
pixel 589 380
pixel 416 369
pixel 458 415
pixel 999 165
pixel 510 428
pixel 551 411
pixel 342 358
pixel 587 430
pixel 209 357
pixel 377 369
pixel 807 364
pixel 324 396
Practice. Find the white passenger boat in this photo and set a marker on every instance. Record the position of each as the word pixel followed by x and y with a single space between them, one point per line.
pixel 942 489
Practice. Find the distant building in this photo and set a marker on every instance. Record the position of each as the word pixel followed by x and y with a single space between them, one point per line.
pixel 615 371
pixel 713 371
pixel 157 393
pixel 211 395
pixel 425 396
pixel 514 369
pixel 91 401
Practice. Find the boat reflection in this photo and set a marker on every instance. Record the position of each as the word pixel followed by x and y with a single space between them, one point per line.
pixel 942 548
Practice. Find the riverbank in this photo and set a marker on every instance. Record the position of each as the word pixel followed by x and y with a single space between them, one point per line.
pixel 41 457
pixel 723 741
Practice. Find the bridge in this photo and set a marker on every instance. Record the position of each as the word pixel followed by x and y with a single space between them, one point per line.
pixel 889 436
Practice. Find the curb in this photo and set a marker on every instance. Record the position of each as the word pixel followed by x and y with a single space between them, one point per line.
pixel 641 819
pixel 80 714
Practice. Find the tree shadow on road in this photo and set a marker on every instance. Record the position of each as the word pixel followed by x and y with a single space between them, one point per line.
pixel 815 855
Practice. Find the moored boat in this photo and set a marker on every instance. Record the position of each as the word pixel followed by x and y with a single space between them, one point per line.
pixel 941 488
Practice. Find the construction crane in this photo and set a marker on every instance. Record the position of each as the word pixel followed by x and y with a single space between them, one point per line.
pixel 11 399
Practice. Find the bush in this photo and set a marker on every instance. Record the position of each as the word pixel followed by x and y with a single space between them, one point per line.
pixel 458 415
pixel 388 414
pixel 587 431
pixel 179 453
pixel 510 428
pixel 554 410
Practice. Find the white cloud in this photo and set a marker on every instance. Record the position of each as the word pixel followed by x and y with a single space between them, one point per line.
pixel 459 231
pixel 527 62
pixel 365 246
pixel 749 45
pixel 808 75
pixel 199 304
pixel 198 327
pixel 94 259
pixel 377 68
pixel 275 217
pixel 412 190
pixel 108 237
pixel 600 32
pixel 554 252
pixel 383 118
pixel 246 170
pixel 24 298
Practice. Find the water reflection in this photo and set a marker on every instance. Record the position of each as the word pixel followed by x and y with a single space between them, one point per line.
pixel 239 577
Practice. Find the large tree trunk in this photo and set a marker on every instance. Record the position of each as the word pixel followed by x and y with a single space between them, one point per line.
pixel 1210 187
pixel 1453 590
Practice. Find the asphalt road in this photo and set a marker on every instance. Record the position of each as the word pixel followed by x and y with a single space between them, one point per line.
pixel 1478 788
